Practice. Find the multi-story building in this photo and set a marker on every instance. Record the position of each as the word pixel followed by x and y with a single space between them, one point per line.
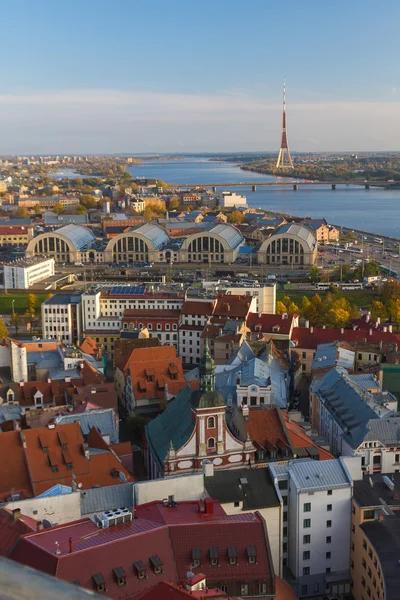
pixel 232 200
pixel 323 232
pixel 62 317
pixel 24 273
pixel 162 324
pixel 375 538
pixel 317 518
pixel 344 409
pixel 15 235
pixel 265 296
pixel 194 317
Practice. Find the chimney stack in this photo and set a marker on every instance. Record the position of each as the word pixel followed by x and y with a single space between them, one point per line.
pixel 71 548
pixel 390 328
pixel 16 513
pixel 370 332
pixel 342 330
pixel 39 526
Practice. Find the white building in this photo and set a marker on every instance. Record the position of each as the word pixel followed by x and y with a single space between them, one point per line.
pixel 194 317
pixel 317 522
pixel 24 273
pixel 62 318
pixel 232 200
pixel 265 296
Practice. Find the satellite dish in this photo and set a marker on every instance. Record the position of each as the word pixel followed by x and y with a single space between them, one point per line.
pixel 46 524
pixel 189 575
pixel 122 477
pixel 79 485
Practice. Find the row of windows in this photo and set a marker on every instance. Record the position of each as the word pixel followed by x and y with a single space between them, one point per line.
pixel 307 506
pixel 307 539
pixel 307 523
pixel 206 244
pixel 307 555
pixel 306 570
pixel 285 246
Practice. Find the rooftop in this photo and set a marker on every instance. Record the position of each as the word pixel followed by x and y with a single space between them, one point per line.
pixel 372 491
pixel 28 262
pixel 312 476
pixel 78 235
pixel 332 354
pixel 384 535
pixel 253 487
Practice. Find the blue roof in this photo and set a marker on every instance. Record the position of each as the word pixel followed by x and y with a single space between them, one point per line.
pixel 174 425
pixel 131 290
pixel 331 355
pixel 247 249
pixel 346 405
pixel 45 360
pixel 311 475
pixel 10 412
pixel 52 218
pixel 106 498
pixel 102 419
pixel 56 490
pixel 73 298
pixel 78 235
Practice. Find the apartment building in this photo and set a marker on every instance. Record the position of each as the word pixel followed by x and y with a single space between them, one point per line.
pixel 375 538
pixel 194 317
pixel 62 318
pixel 24 273
pixel 265 296
pixel 162 324
pixel 316 523
pixel 15 235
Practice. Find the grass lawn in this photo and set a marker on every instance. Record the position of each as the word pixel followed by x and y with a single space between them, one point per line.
pixel 20 302
pixel 359 298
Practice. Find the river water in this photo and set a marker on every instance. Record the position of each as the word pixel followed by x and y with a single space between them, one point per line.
pixel 375 210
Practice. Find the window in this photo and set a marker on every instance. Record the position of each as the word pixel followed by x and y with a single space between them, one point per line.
pixel 329 523
pixel 307 507
pixel 214 557
pixel 196 557
pixel 363 581
pixel 285 532
pixel 119 576
pixel 369 514
pixel 304 355
pixel 306 570
pixel 156 564
pixel 210 423
pixel 251 554
pixel 364 564
pixel 306 539
pixel 377 459
pixel 232 555
pixel 327 570
pixel 364 544
pixel 283 485
pixel 329 539
pixel 327 555
pixel 236 504
pixel 262 588
pixel 329 507
pixel 211 443
pixel 306 555
pixel 99 582
pixel 306 523
pixel 329 492
pixel 244 589
pixel 159 327
pixel 303 590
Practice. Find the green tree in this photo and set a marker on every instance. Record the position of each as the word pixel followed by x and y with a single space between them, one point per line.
pixel 58 208
pixel 16 321
pixel 280 308
pixel 3 329
pixel 354 313
pixel 32 302
pixel 305 303
pixel 162 185
pixel 80 209
pixel 89 201
pixel 314 274
pixel 394 309
pixel 22 212
pixel 293 309
pixel 36 210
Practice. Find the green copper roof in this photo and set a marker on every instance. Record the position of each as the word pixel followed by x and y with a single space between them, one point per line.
pixel 207 399
pixel 174 425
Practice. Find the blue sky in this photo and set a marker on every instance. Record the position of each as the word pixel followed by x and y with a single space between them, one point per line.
pixel 180 75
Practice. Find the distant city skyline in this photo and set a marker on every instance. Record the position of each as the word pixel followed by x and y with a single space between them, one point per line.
pixel 198 77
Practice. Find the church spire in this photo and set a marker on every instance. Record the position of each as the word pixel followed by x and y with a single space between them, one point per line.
pixel 207 370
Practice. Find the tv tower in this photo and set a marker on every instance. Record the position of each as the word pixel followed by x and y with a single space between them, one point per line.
pixel 281 163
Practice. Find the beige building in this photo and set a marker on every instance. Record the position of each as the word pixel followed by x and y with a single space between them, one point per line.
pixel 265 296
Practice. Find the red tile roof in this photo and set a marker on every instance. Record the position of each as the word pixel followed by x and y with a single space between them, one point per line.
pixel 284 591
pixel 101 394
pixel 267 322
pixel 89 346
pixel 90 375
pixel 13 230
pixel 27 391
pixel 14 471
pixel 266 430
pixel 172 537
pixel 198 307
pixel 311 337
pixel 300 439
pixel 232 306
pixel 150 313
pixel 11 529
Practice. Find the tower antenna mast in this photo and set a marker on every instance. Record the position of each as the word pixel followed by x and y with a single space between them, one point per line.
pixel 284 158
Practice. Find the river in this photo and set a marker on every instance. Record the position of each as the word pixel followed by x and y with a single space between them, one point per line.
pixel 375 210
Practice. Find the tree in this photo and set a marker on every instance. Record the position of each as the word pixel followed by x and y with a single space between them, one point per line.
pixel 148 213
pixel 236 217
pixel 378 310
pixel 15 321
pixel 293 309
pixel 314 273
pixel 305 303
pixel 338 317
pixel 354 313
pixel 280 308
pixel 32 302
pixel 80 209
pixel 162 185
pixel 394 309
pixel 3 329
pixel 89 201
pixel 58 208
pixel 286 301
pixel 22 212
pixel 174 203
pixel 36 210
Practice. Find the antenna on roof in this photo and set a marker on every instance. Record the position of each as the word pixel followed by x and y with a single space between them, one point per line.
pixel 58 551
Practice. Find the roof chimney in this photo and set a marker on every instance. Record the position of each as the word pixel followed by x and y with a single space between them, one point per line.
pixel 378 320
pixel 367 317
pixel 370 332
pixel 342 330
pixel 16 513
pixel 390 328
pixel 39 526
pixel 307 324
pixel 384 329
pixel 71 547
pixel 311 329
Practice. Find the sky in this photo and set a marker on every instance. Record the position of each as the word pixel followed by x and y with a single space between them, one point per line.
pixel 139 76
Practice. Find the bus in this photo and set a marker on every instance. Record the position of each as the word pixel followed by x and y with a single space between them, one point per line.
pixel 378 240
pixel 352 286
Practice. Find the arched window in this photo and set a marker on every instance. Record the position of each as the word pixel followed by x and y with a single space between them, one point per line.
pixel 210 423
pixel 210 443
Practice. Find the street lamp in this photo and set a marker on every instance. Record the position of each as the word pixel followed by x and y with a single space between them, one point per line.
pixel 12 304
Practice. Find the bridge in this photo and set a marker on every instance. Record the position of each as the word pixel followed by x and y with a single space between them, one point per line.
pixel 294 184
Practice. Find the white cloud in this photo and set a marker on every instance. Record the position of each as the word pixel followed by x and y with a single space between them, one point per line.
pixel 121 121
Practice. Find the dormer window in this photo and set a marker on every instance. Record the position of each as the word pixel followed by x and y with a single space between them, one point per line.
pixel 149 374
pixel 140 569
pixel 251 554
pixel 232 555
pixel 99 582
pixel 214 557
pixel 196 557
pixel 119 576
pixel 156 564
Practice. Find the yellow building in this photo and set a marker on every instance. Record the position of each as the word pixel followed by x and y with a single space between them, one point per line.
pixel 15 235
pixel 375 538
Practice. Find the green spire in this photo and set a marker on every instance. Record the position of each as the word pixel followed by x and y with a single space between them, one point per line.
pixel 207 369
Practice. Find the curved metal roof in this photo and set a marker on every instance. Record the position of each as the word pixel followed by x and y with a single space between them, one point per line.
pixel 297 230
pixel 229 233
pixel 154 233
pixel 79 236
